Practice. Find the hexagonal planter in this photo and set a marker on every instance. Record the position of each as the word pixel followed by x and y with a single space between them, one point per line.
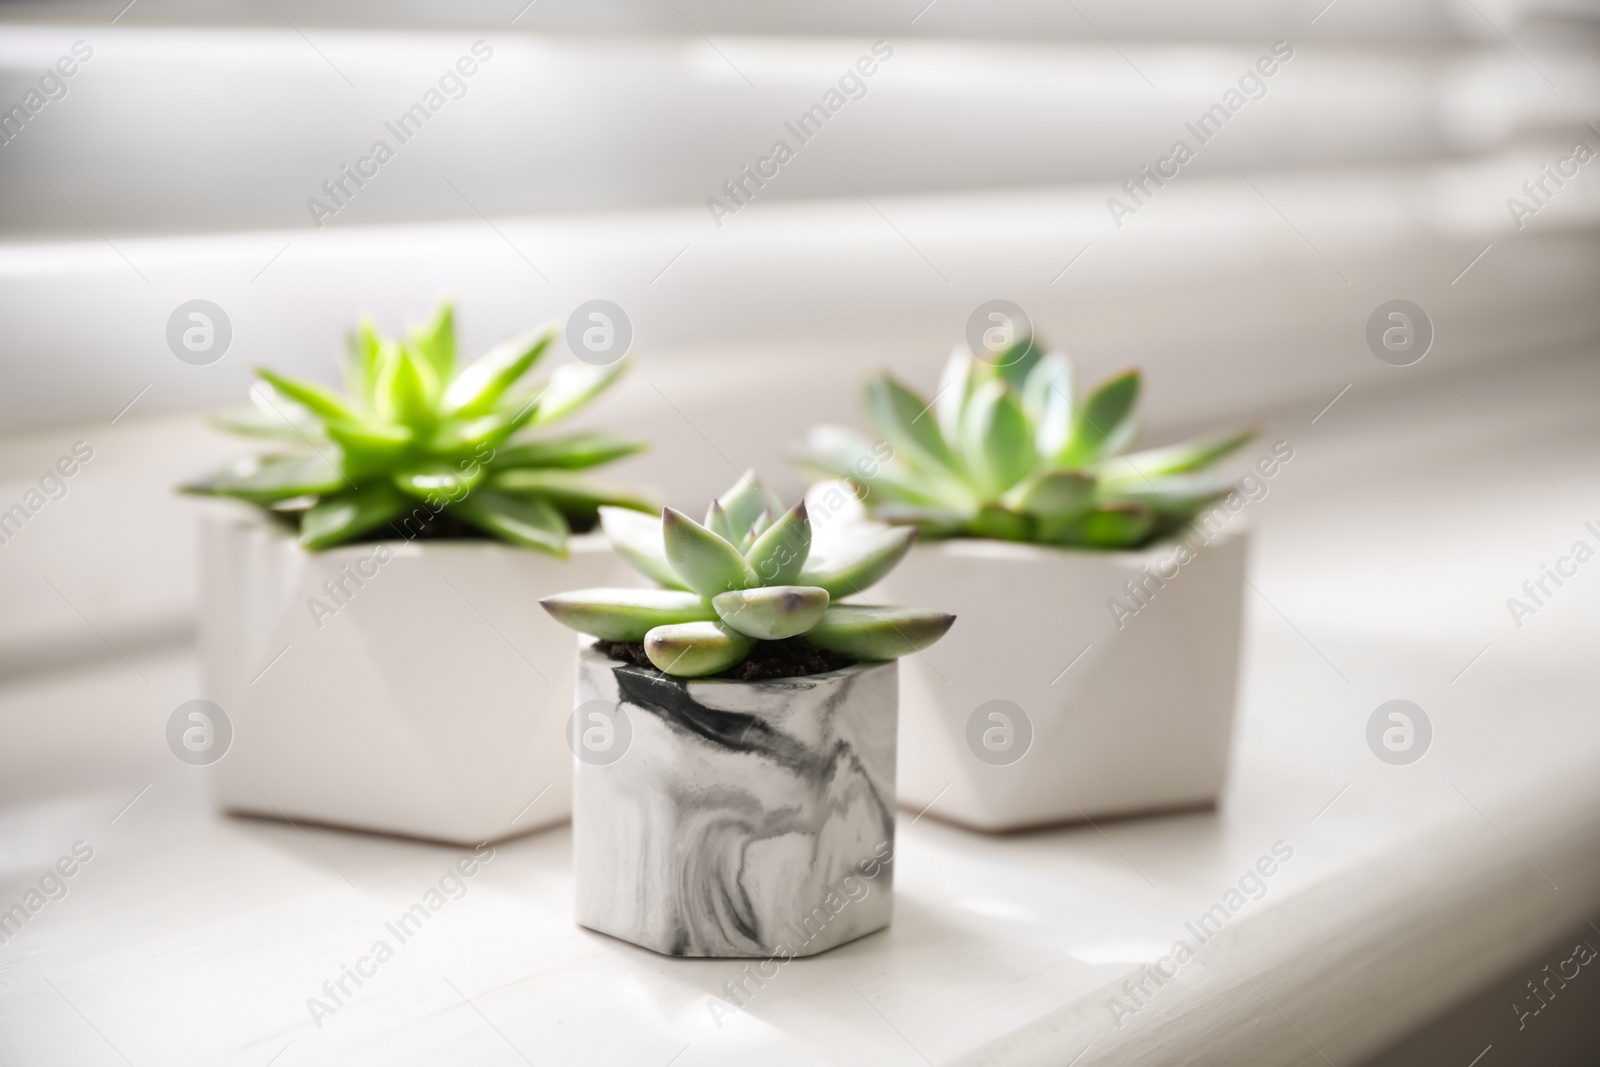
pixel 427 696
pixel 1122 710
pixel 734 819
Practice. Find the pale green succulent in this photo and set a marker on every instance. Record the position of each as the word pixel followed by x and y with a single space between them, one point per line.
pixel 1007 450
pixel 747 576
pixel 416 443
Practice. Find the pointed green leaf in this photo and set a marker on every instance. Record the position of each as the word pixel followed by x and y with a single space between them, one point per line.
pixel 314 395
pixel 575 493
pixel 1104 425
pixel 1054 493
pixel 572 386
pixel 405 389
pixel 995 440
pixel 359 363
pixel 1175 496
pixel 253 422
pixel 636 537
pixel 1110 526
pixel 1015 363
pixel 745 502
pixel 1047 401
pixel 269 479
pixel 345 516
pixel 626 614
pixel 717 522
pixel 706 562
pixel 523 520
pixel 835 451
pixel 480 385
pixel 369 447
pixel 908 423
pixel 1000 524
pixel 1173 459
pixel 757 528
pixel 575 451
pixel 435 342
pixel 856 564
pixel 955 387
pixel 878 633
pixel 772 613
pixel 438 479
pixel 695 649
pixel 779 553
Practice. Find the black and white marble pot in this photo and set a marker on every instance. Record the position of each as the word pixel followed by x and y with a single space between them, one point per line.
pixel 727 818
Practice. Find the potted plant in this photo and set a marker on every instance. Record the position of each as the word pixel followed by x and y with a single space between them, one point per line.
pixel 1102 677
pixel 365 626
pixel 735 731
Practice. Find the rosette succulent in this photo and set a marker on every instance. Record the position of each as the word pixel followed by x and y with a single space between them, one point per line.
pixel 1006 449
pixel 743 583
pixel 417 445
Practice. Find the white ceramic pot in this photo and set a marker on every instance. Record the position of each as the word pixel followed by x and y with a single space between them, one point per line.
pixel 727 818
pixel 1058 695
pixel 427 694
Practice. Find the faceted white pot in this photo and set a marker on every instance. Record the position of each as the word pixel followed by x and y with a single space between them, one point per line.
pixel 412 688
pixel 736 819
pixel 1059 695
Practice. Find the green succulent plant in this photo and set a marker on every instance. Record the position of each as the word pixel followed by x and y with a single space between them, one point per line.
pixel 414 437
pixel 749 575
pixel 1007 450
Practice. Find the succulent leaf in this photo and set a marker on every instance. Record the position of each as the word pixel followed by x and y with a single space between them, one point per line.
pixel 905 420
pixel 436 479
pixel 269 479
pixel 574 492
pixel 522 520
pixel 253 422
pixel 571 386
pixel 338 517
pixel 707 563
pixel 779 553
pixel 435 342
pixel 1054 494
pixel 695 649
pixel 856 564
pixel 1177 496
pixel 1109 526
pixel 772 613
pixel 626 614
pixel 481 384
pixel 359 363
pixel 878 633
pixel 1015 363
pixel 1174 459
pixel 313 395
pixel 1001 524
pixel 1047 401
pixel 955 386
pixel 843 453
pixel 1104 424
pixel 995 439
pixel 576 451
pixel 637 539
pixel 745 502
pixel 717 522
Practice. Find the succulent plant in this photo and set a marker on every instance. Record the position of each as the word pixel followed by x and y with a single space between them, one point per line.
pixel 1006 450
pixel 414 438
pixel 749 575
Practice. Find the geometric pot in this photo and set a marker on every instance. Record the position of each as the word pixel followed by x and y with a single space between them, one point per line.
pixel 715 817
pixel 421 691
pixel 1067 695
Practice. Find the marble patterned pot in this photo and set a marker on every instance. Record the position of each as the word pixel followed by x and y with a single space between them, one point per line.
pixel 412 688
pixel 1080 684
pixel 734 819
